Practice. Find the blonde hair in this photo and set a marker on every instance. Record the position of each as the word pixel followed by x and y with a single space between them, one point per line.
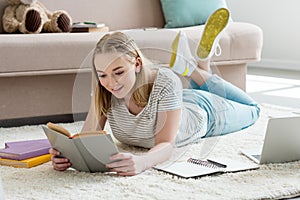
pixel 118 42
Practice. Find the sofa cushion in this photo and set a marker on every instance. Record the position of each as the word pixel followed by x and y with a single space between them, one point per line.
pixel 182 13
pixel 23 53
pixel 48 53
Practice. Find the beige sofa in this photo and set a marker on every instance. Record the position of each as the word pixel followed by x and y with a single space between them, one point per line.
pixel 37 72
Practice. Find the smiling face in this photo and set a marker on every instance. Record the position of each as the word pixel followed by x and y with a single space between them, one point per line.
pixel 117 73
pixel 119 67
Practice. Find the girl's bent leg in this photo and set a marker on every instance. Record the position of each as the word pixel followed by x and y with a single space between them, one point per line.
pixel 228 108
pixel 216 85
pixel 224 116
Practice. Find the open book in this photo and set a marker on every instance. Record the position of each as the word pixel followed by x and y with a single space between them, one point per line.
pixel 196 167
pixel 87 151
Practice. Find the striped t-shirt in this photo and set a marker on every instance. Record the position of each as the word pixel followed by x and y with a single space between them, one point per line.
pixel 166 95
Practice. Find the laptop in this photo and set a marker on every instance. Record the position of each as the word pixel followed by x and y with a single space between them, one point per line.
pixel 281 144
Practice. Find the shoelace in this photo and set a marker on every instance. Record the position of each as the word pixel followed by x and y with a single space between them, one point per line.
pixel 218 51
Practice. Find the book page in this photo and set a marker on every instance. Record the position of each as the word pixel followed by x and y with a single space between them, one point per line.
pixel 65 132
pixel 58 129
pixel 88 133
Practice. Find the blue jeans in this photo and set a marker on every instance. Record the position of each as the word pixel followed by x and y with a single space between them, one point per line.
pixel 228 108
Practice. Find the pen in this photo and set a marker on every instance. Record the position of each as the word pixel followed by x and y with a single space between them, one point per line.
pixel 217 163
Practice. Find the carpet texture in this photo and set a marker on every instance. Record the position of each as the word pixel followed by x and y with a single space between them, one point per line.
pixel 272 181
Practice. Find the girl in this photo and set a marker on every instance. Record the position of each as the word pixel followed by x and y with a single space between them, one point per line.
pixel 147 107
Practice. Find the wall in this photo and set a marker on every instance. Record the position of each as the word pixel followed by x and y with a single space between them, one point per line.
pixel 116 14
pixel 280 22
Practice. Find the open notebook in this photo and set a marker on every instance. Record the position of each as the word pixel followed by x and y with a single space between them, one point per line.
pixel 196 167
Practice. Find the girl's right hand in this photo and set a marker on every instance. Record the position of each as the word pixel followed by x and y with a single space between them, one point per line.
pixel 59 163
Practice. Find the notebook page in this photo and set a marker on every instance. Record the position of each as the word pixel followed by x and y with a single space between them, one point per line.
pixel 186 169
pixel 235 166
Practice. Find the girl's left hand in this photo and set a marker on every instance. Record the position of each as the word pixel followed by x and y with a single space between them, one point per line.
pixel 128 164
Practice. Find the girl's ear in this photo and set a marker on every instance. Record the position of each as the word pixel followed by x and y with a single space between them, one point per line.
pixel 138 64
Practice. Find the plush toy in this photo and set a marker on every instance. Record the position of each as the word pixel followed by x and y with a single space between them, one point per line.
pixel 31 16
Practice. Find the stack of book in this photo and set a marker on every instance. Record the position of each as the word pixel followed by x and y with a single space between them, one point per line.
pixel 78 27
pixel 25 154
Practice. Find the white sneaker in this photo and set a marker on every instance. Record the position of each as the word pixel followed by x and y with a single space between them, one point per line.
pixel 182 61
pixel 214 27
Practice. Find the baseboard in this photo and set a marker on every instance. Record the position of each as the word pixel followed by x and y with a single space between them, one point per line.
pixel 277 64
pixel 66 118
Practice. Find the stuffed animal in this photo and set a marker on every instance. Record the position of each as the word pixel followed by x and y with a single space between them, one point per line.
pixel 31 16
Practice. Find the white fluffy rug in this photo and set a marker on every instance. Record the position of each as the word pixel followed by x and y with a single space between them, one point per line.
pixel 271 181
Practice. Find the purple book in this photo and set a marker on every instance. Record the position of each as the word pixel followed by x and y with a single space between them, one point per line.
pixel 25 149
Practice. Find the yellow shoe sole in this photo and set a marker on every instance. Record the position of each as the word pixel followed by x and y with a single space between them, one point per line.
pixel 174 50
pixel 174 54
pixel 213 27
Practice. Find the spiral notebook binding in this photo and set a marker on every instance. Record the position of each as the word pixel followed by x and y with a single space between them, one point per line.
pixel 206 163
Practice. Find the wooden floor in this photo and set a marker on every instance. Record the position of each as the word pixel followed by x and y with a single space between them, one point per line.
pixel 276 87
